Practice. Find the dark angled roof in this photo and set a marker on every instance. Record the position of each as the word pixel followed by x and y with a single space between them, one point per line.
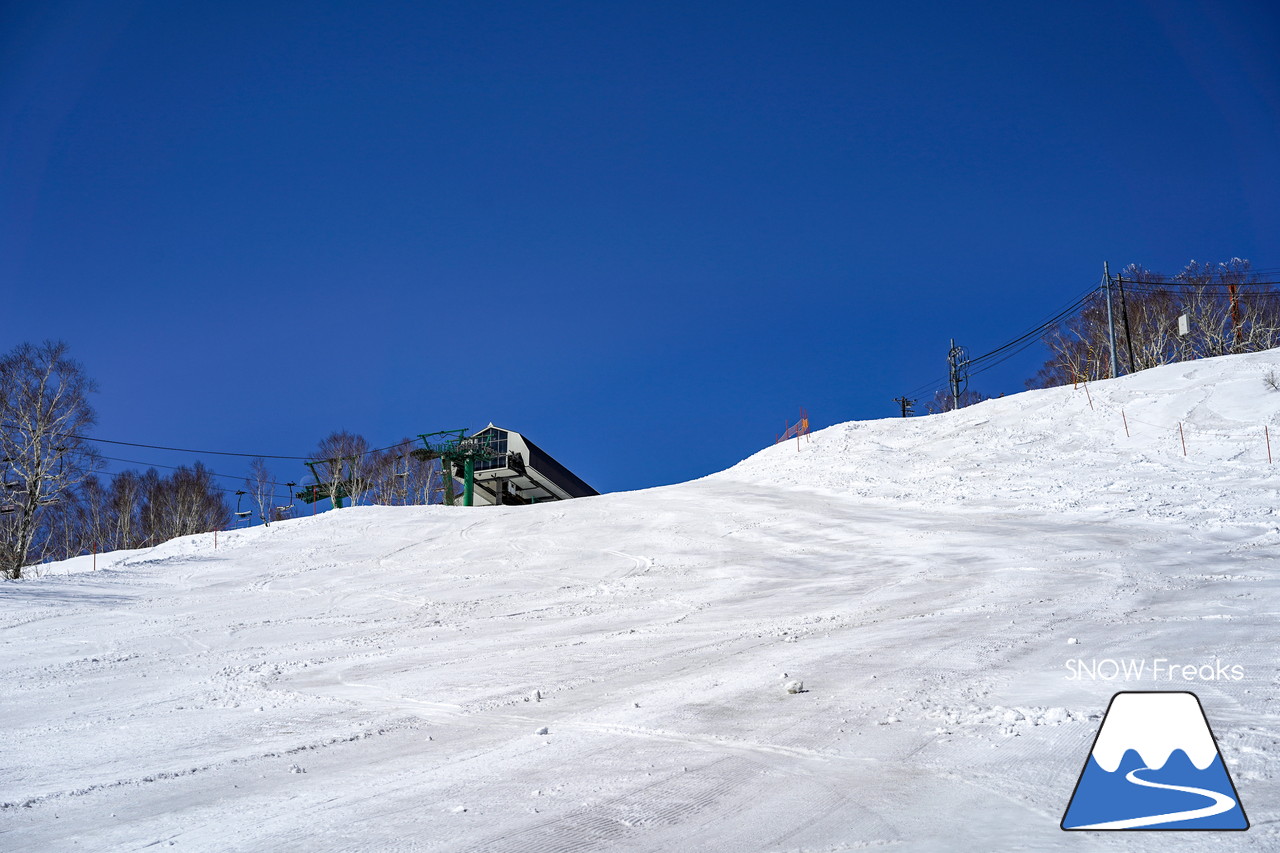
pixel 545 464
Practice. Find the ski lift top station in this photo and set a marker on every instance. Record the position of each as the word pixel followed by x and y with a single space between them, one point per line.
pixel 501 466
pixel 496 466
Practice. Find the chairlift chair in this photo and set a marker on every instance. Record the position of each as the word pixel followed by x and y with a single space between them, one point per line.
pixel 284 509
pixel 241 514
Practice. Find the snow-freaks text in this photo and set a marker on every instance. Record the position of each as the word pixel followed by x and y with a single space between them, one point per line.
pixel 1158 669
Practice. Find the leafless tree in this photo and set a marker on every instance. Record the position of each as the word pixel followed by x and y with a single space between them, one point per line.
pixel 943 401
pixel 261 489
pixel 93 498
pixel 1228 310
pixel 344 466
pixel 44 410
pixel 1227 307
pixel 399 478
pixel 124 511
pixel 185 502
pixel 136 510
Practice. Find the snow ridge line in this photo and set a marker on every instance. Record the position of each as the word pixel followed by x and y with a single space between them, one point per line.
pixel 409 723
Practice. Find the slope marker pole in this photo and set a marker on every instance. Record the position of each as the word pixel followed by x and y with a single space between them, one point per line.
pixel 1126 423
pixel 1183 435
pixel 1266 431
pixel 1089 396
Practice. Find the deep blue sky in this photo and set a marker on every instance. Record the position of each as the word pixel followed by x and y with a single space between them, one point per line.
pixel 642 234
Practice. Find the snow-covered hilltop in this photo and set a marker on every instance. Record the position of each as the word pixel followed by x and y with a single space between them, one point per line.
pixel 1174 441
pixel 612 673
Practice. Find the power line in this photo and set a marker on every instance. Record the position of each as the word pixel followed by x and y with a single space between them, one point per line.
pixel 1173 282
pixel 935 385
pixel 1006 357
pixel 1070 309
pixel 182 467
pixel 237 478
pixel 1146 286
pixel 1010 348
pixel 1207 289
pixel 185 449
pixel 220 452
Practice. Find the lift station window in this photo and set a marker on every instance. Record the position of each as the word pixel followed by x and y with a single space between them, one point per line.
pixel 496 440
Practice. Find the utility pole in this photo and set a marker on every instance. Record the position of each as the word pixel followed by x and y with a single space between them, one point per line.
pixel 957 362
pixel 1128 335
pixel 1111 322
pixel 1235 312
pixel 907 410
pixel 952 376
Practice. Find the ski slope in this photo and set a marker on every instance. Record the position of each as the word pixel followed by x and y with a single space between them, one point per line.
pixel 611 673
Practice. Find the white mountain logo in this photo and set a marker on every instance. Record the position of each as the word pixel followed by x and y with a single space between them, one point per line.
pixel 1155 765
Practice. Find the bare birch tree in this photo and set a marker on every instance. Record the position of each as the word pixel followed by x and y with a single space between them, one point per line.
pixel 124 511
pixel 344 466
pixel 44 409
pixel 261 489
pixel 400 478
pixel 185 502
pixel 1229 310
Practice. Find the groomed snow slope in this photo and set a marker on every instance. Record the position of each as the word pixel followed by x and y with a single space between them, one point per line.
pixel 364 679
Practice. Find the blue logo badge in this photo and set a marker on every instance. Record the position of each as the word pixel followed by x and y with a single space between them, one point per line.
pixel 1155 765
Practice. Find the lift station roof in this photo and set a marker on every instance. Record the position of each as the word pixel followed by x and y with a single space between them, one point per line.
pixel 520 472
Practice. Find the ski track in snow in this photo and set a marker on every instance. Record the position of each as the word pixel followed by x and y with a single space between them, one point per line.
pixel 364 679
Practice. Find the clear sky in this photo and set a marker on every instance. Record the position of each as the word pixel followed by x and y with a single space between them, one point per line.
pixel 642 234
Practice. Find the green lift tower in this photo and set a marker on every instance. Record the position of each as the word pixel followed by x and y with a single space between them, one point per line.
pixel 454 447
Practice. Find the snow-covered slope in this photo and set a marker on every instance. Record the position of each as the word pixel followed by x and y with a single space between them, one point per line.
pixel 378 679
